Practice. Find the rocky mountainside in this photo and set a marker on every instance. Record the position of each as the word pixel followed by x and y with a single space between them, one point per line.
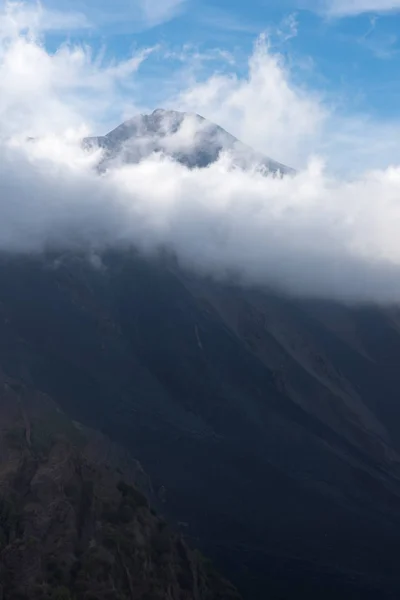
pixel 72 527
pixel 187 138
pixel 270 427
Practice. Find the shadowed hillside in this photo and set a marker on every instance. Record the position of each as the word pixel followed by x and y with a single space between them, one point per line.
pixel 269 427
pixel 71 527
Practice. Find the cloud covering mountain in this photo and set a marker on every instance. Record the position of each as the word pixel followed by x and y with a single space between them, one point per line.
pixel 310 233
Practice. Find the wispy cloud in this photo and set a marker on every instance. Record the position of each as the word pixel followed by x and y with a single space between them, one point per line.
pixel 155 12
pixel 381 44
pixel 107 15
pixel 287 29
pixel 342 8
pixel 34 16
pixel 227 21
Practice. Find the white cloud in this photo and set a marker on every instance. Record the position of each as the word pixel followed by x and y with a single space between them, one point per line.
pixel 110 15
pixel 264 108
pixel 17 16
pixel 42 92
pixel 267 108
pixel 309 234
pixel 313 234
pixel 355 7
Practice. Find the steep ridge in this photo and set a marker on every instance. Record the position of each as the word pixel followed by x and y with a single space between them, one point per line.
pixel 269 426
pixel 72 527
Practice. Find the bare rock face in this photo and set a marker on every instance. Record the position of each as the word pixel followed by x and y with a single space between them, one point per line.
pixel 71 527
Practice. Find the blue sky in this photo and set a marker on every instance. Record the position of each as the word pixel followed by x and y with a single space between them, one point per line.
pixel 350 46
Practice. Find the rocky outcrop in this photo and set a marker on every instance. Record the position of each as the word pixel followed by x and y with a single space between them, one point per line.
pixel 72 527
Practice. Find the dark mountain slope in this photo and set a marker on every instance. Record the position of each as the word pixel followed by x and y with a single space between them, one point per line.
pixel 71 528
pixel 270 427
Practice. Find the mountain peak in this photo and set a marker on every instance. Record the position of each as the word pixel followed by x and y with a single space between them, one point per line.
pixel 186 137
pixel 163 111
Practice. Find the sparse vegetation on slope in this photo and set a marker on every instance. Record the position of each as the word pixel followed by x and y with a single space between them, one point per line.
pixel 72 529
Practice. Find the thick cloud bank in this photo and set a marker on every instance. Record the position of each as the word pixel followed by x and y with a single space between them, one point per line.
pixel 309 233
